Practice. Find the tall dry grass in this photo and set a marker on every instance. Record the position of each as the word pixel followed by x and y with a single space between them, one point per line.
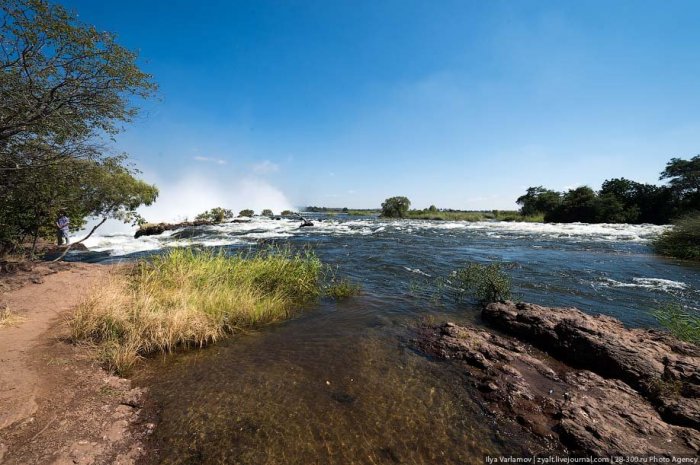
pixel 190 298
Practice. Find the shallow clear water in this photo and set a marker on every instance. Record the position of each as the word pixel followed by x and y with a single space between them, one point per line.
pixel 339 382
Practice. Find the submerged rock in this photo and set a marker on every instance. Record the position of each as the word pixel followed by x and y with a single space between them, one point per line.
pixel 573 410
pixel 664 370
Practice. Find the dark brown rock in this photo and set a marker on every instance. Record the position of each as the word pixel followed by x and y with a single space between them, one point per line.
pixel 154 229
pixel 664 370
pixel 577 411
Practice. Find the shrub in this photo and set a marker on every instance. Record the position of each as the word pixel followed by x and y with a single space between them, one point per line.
pixel 267 212
pixel 287 213
pixel 215 215
pixel 683 240
pixel 679 322
pixel 395 207
pixel 485 283
pixel 246 212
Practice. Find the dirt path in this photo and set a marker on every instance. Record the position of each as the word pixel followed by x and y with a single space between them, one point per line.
pixel 57 406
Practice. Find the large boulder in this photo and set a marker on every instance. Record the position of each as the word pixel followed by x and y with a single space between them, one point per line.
pixel 574 411
pixel 664 370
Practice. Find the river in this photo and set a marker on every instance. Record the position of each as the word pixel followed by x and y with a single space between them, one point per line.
pixel 339 383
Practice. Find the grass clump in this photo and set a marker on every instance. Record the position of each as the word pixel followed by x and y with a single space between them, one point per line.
pixel 683 240
pixel 190 298
pixel 341 289
pixel 485 283
pixel 681 323
pixel 9 318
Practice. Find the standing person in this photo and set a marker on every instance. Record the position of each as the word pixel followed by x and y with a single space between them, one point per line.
pixel 62 228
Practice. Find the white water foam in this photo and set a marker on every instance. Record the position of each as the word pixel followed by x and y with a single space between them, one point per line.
pixel 123 243
pixel 659 284
pixel 416 271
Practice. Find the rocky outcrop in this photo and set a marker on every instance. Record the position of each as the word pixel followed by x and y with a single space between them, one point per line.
pixel 664 370
pixel 573 411
pixel 153 229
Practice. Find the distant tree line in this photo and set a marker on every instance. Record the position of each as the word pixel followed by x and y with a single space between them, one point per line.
pixel 312 209
pixel 621 200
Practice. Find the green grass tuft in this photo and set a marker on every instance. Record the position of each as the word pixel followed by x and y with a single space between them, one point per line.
pixel 679 322
pixel 340 289
pixel 190 298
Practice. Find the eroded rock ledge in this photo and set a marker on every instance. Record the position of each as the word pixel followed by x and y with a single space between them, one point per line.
pixel 153 229
pixel 620 391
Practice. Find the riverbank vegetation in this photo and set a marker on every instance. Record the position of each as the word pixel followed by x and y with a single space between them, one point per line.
pixel 679 322
pixel 191 298
pixel 683 240
pixel 462 215
pixel 66 88
pixel 215 215
pixel 399 207
pixel 486 283
pixel 621 200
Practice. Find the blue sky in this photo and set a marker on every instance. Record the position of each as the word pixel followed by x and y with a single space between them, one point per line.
pixel 459 104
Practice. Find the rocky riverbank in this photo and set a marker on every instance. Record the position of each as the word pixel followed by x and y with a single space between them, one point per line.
pixel 583 384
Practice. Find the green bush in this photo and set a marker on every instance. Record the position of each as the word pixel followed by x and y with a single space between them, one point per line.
pixel 215 215
pixel 683 240
pixel 395 207
pixel 246 212
pixel 679 322
pixel 267 212
pixel 485 283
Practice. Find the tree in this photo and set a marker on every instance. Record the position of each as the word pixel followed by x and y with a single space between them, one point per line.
pixel 61 81
pixel 215 215
pixel 576 205
pixel 82 188
pixel 64 85
pixel 287 213
pixel 538 200
pixel 643 203
pixel 267 212
pixel 684 182
pixel 395 207
pixel 432 209
pixel 246 212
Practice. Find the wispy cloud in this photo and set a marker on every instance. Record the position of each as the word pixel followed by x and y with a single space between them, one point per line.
pixel 218 161
pixel 265 167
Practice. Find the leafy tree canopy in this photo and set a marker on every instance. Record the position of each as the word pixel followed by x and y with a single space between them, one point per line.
pixel 246 212
pixel 395 207
pixel 684 181
pixel 82 188
pixel 61 81
pixel 64 86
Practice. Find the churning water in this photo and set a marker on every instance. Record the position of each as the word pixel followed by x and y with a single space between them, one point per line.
pixel 339 384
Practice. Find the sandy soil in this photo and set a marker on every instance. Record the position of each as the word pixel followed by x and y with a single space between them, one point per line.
pixel 57 406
